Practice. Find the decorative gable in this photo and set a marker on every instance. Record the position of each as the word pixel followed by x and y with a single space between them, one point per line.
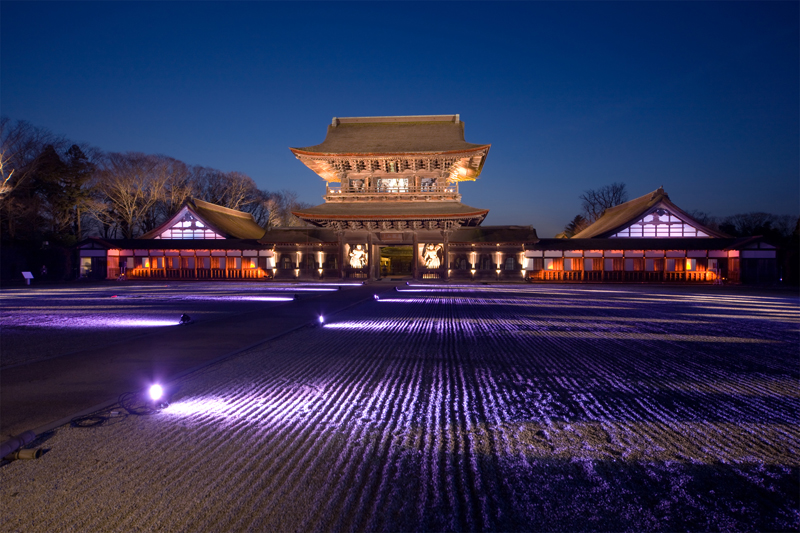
pixel 661 222
pixel 186 225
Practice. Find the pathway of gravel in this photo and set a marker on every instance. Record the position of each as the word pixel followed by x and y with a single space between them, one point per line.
pixel 475 408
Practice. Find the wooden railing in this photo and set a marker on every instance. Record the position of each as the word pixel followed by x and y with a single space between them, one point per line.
pixel 356 273
pixel 627 276
pixel 438 273
pixel 338 189
pixel 195 273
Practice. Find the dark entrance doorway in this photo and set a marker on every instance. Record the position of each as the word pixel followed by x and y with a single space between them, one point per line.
pixel 397 261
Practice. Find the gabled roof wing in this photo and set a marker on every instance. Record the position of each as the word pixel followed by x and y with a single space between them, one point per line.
pixel 621 216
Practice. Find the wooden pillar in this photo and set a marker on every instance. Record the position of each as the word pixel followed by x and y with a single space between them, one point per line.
pixel 603 266
pixel 370 258
pixel 340 234
pixel 446 253
pixel 415 253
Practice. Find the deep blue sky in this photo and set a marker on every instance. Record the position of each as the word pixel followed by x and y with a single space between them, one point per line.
pixel 702 98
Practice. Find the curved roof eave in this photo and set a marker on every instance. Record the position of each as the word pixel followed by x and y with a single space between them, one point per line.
pixel 300 151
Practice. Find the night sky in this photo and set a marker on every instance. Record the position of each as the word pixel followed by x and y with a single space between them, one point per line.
pixel 701 98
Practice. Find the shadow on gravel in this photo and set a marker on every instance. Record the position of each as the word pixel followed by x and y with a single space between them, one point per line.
pixel 590 495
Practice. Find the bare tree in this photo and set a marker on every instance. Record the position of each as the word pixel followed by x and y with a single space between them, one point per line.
pixel 228 189
pixel 595 201
pixel 130 190
pixel 178 185
pixel 283 203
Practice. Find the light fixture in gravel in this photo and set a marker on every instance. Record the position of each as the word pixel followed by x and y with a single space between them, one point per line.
pixel 156 392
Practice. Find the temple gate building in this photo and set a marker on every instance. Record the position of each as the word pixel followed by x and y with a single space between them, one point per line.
pixel 393 208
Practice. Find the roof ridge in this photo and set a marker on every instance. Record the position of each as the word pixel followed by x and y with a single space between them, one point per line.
pixel 219 208
pixel 394 119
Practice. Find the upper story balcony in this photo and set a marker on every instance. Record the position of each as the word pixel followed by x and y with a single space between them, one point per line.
pixel 390 189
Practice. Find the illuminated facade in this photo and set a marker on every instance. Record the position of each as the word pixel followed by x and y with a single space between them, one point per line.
pixel 393 208
pixel 650 239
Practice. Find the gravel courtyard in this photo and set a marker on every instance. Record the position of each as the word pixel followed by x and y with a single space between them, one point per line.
pixel 439 408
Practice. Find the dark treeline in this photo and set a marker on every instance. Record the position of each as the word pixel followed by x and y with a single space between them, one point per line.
pixel 55 193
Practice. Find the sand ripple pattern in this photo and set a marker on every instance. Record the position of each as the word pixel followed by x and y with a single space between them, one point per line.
pixel 458 409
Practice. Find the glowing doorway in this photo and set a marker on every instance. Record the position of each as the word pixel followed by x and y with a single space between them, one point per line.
pixel 397 261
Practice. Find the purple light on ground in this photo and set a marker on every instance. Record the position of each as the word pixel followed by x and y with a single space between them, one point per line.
pixel 50 321
pixel 366 326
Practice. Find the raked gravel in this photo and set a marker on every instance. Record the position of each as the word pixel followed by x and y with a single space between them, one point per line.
pixel 474 409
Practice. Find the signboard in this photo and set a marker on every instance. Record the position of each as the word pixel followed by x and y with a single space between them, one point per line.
pixel 389 236
pixel 28 277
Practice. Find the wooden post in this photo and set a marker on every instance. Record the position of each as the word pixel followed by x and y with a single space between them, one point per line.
pixel 603 266
pixel 446 253
pixel 370 257
pixel 340 234
pixel 414 253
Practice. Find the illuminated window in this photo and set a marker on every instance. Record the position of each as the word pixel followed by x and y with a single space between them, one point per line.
pixel 553 263
pixel 592 263
pixel 633 264
pixel 676 265
pixel 393 185
pixel 189 228
pixel 86 266
pixel 660 223
pixel 654 265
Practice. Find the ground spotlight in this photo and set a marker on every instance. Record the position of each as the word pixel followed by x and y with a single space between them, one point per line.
pixel 185 319
pixel 321 319
pixel 156 391
pixel 157 396
pixel 377 297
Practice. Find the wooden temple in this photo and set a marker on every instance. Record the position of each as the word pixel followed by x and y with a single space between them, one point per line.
pixel 650 239
pixel 393 208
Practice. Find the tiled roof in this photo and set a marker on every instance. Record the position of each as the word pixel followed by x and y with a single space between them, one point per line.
pixel 617 217
pixel 229 223
pixel 234 224
pixel 394 135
